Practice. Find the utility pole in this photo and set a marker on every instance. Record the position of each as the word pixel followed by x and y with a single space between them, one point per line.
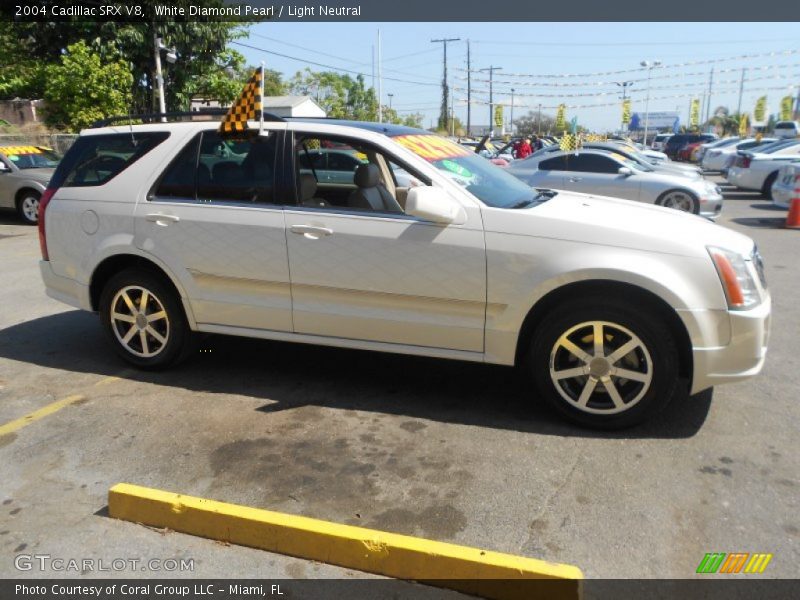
pixel 445 89
pixel 539 121
pixel 491 70
pixel 380 81
pixel 741 91
pixel 511 124
pixel 159 77
pixel 469 92
pixel 708 105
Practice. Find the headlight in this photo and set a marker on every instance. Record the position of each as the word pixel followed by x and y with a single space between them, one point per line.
pixel 740 288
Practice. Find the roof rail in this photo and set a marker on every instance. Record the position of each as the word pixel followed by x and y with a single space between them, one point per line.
pixel 157 117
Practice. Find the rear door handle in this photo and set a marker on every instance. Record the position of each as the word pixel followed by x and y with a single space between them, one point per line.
pixel 162 218
pixel 311 232
pixel 575 179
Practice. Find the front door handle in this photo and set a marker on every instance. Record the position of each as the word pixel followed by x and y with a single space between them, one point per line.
pixel 162 219
pixel 575 179
pixel 311 232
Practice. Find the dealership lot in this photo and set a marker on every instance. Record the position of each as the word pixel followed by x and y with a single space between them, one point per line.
pixel 451 451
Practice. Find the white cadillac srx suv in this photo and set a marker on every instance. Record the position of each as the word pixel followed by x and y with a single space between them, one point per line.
pixel 381 237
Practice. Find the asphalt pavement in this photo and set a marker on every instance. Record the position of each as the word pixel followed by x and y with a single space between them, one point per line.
pixel 451 451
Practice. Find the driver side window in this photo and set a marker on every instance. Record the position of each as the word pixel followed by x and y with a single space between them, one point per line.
pixel 343 175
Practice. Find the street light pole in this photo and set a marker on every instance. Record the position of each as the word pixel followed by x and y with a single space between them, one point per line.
pixel 390 99
pixel 649 66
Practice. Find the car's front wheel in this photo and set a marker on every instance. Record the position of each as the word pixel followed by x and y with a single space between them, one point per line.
pixel 28 206
pixel 680 200
pixel 604 364
pixel 143 319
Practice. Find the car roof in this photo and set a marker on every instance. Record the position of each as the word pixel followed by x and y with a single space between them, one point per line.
pixel 389 129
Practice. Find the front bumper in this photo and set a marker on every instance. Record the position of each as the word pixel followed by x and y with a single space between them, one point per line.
pixel 64 289
pixel 710 206
pixel 742 357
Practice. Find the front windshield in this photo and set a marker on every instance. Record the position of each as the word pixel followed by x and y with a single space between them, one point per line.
pixel 31 157
pixel 484 180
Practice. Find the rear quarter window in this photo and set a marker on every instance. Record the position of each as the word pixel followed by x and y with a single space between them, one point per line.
pixel 94 160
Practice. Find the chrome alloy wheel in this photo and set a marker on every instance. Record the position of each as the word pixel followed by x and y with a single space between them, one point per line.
pixel 601 367
pixel 679 201
pixel 139 321
pixel 29 205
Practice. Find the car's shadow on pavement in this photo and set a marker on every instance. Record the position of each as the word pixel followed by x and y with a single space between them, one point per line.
pixel 288 375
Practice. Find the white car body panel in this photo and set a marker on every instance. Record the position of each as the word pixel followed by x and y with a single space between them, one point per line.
pixel 396 283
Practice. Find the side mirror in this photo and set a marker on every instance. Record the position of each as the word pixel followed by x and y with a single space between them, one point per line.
pixel 435 205
pixel 625 171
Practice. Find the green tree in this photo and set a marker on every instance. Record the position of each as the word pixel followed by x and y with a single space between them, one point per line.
pixel 199 44
pixel 83 88
pixel 529 124
pixel 341 96
pixel 225 82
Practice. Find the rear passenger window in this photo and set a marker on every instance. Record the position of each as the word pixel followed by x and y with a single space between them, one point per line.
pixel 236 170
pixel 179 180
pixel 94 160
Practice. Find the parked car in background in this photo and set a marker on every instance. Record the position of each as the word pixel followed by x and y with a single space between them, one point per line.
pixel 608 305
pixel 715 158
pixel 704 147
pixel 758 171
pixel 490 151
pixel 634 154
pixel 660 141
pixel 679 140
pixel 24 173
pixel 611 174
pixel 787 129
pixel 787 184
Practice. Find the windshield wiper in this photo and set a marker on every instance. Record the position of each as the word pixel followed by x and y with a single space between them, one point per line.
pixel 541 196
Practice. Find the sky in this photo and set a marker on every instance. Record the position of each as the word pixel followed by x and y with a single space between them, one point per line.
pixel 531 54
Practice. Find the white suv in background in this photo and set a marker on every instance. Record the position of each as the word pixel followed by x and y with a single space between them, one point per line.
pixel 167 229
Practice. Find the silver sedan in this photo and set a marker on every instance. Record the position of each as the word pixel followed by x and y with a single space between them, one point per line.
pixel 611 174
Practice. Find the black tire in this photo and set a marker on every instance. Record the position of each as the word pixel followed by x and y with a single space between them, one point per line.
pixel 174 329
pixel 766 189
pixel 658 356
pixel 26 201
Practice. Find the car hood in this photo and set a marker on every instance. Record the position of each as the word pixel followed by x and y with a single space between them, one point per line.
pixel 601 220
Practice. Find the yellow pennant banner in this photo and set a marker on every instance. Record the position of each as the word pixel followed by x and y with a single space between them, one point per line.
pixel 694 113
pixel 760 112
pixel 786 108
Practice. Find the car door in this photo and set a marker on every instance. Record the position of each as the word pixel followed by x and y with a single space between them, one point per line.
pixel 383 276
pixel 215 218
pixel 550 173
pixel 7 184
pixel 598 174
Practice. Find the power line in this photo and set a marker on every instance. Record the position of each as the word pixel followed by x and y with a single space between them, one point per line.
pixel 609 44
pixel 325 66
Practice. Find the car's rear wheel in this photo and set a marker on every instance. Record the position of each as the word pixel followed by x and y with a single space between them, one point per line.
pixel 680 200
pixel 28 206
pixel 143 319
pixel 766 189
pixel 604 364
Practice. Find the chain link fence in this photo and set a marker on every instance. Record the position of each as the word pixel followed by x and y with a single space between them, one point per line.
pixel 60 142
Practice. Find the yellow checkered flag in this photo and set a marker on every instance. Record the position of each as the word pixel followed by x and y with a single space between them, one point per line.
pixel 247 107
pixel 568 142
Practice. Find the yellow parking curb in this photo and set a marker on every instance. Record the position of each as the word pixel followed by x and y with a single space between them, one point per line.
pixel 471 570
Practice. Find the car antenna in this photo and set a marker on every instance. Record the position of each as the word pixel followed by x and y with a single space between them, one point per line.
pixel 130 126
